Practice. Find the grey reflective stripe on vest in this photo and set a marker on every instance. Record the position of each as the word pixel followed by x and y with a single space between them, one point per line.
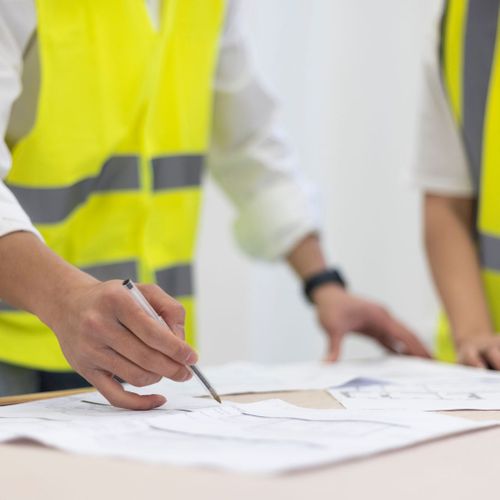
pixel 479 51
pixel 174 172
pixel 102 272
pixel 442 35
pixel 489 252
pixel 116 270
pixel 52 205
pixel 176 281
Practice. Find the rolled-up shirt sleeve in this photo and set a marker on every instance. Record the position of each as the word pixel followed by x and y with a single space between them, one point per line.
pixel 251 159
pixel 440 164
pixel 12 40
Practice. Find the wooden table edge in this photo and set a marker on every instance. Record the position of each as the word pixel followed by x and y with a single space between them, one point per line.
pixel 38 396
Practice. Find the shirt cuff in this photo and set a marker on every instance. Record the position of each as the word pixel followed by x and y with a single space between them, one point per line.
pixel 13 218
pixel 437 185
pixel 274 222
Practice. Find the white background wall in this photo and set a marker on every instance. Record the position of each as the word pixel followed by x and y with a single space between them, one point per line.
pixel 347 75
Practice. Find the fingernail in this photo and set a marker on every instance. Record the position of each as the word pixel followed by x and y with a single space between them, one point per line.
pixel 158 400
pixel 187 375
pixel 399 347
pixel 192 358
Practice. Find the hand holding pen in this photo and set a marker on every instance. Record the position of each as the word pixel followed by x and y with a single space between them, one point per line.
pixel 104 332
pixel 147 308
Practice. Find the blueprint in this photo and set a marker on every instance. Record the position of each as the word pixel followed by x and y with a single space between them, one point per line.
pixel 393 382
pixel 93 405
pixel 244 377
pixel 266 438
pixel 450 393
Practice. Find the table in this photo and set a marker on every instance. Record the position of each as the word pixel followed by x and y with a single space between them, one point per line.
pixel 457 468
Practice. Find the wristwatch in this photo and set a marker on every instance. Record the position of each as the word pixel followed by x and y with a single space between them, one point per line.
pixel 322 278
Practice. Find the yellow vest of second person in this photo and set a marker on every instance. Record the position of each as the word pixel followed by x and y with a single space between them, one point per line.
pixel 110 173
pixel 470 60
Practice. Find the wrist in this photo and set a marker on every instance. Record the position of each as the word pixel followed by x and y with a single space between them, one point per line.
pixel 473 334
pixel 60 292
pixel 317 281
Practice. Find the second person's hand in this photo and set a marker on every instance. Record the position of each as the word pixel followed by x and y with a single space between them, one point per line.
pixel 339 312
pixel 479 350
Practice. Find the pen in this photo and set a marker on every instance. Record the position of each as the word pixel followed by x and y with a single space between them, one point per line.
pixel 148 308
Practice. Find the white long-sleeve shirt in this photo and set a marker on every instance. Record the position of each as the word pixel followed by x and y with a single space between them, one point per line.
pixel 249 156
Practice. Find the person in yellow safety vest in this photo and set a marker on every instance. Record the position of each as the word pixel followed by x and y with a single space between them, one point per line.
pixel 106 109
pixel 458 168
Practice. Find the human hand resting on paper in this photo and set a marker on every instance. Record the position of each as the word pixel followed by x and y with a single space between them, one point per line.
pixel 103 333
pixel 101 329
pixel 340 312
pixel 480 351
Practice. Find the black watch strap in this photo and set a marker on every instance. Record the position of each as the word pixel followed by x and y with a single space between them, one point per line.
pixel 316 280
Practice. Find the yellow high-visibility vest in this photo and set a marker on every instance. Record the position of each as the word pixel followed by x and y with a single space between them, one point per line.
pixel 110 173
pixel 470 61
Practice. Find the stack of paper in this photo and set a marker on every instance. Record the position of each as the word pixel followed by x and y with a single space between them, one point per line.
pixel 387 383
pixel 382 397
pixel 266 437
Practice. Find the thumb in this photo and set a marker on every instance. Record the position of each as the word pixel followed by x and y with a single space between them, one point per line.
pixel 335 339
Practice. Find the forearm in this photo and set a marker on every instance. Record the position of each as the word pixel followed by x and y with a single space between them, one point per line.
pixel 33 277
pixel 340 312
pixel 307 257
pixel 455 266
pixel 101 329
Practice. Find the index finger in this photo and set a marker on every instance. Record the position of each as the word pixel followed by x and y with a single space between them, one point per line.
pixel 334 342
pixel 153 333
pixel 167 307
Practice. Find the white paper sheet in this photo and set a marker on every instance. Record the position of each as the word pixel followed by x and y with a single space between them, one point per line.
pixel 432 394
pixel 175 401
pixel 265 437
pixel 93 405
pixel 243 377
pixel 386 383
